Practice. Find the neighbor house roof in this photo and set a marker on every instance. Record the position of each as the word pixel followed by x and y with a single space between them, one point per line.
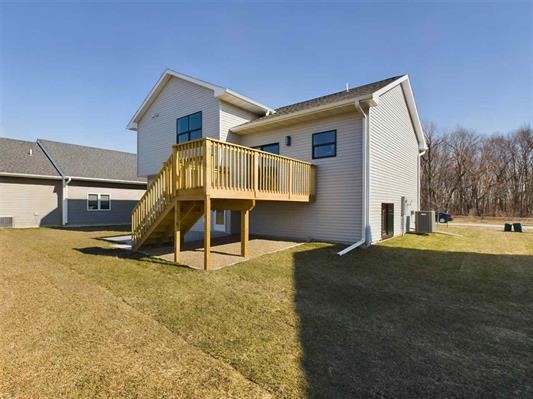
pixel 219 92
pixel 89 163
pixel 25 158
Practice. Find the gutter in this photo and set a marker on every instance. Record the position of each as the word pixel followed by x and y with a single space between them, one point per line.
pixel 365 192
pixel 30 176
pixel 242 129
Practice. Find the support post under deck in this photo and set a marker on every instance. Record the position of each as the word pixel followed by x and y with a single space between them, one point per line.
pixel 207 232
pixel 177 231
pixel 245 223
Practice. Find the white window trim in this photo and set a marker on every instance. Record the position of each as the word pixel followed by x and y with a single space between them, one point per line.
pixel 99 199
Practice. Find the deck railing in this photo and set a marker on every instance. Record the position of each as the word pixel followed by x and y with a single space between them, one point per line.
pixel 228 171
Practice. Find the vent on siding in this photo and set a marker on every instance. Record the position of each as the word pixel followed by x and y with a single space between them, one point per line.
pixel 6 221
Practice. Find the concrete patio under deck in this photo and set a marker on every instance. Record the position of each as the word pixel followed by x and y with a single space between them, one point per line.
pixel 225 250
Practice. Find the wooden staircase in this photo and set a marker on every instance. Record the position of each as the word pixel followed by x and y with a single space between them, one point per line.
pixel 205 175
pixel 162 230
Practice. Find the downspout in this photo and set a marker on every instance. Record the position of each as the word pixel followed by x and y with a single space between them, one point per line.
pixel 64 208
pixel 64 189
pixel 364 207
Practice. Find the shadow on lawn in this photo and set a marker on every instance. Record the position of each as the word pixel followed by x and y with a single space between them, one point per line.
pixel 394 322
pixel 121 228
pixel 125 254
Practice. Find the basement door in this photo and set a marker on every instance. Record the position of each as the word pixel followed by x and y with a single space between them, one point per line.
pixel 387 220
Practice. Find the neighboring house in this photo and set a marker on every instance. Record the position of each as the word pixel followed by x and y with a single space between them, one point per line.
pixel 365 143
pixel 47 183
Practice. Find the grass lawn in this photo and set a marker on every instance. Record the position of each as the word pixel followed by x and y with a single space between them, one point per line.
pixel 426 316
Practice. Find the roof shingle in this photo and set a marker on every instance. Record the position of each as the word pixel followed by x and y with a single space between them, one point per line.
pixel 89 162
pixel 327 99
pixel 24 157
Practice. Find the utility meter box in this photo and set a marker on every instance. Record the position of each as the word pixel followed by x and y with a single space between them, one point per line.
pixel 425 221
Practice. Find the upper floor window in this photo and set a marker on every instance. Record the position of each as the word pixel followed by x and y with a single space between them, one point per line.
pixel 325 144
pixel 272 148
pixel 189 127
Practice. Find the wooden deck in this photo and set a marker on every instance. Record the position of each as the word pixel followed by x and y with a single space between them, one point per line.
pixel 207 174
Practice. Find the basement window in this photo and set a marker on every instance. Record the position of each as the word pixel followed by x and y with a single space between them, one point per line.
pixel 98 202
pixel 325 144
pixel 189 127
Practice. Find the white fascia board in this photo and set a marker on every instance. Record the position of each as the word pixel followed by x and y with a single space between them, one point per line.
pixel 166 76
pixel 261 107
pixel 410 98
pixel 30 176
pixel 303 112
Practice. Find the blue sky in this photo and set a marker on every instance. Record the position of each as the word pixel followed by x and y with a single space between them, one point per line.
pixel 76 72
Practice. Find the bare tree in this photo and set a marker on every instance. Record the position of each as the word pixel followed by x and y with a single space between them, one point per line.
pixel 469 173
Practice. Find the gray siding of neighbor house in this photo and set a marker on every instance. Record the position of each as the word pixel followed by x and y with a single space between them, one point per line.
pixel 156 135
pixel 393 160
pixel 32 202
pixel 123 199
pixel 336 214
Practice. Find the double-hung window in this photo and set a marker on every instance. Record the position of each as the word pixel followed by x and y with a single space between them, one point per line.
pixel 189 127
pixel 98 202
pixel 325 144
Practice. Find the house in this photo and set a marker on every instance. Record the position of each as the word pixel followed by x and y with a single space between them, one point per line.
pixel 343 167
pixel 46 183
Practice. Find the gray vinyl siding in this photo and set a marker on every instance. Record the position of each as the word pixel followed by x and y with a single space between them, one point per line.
pixel 231 116
pixel 393 160
pixel 32 202
pixel 156 135
pixel 123 199
pixel 336 214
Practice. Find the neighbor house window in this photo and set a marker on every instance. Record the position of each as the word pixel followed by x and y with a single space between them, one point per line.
pixel 325 144
pixel 98 202
pixel 189 127
pixel 272 148
pixel 92 202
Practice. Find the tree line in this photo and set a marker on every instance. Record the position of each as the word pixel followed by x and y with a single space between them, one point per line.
pixel 467 173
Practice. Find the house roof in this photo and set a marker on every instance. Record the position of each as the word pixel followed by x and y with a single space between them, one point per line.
pixel 353 93
pixel 91 163
pixel 368 93
pixel 219 92
pixel 19 157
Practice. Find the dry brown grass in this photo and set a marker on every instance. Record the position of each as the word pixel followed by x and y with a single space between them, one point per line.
pixel 417 316
pixel 63 335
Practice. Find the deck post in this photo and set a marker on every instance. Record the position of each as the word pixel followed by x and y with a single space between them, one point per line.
pixel 177 230
pixel 245 229
pixel 207 232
